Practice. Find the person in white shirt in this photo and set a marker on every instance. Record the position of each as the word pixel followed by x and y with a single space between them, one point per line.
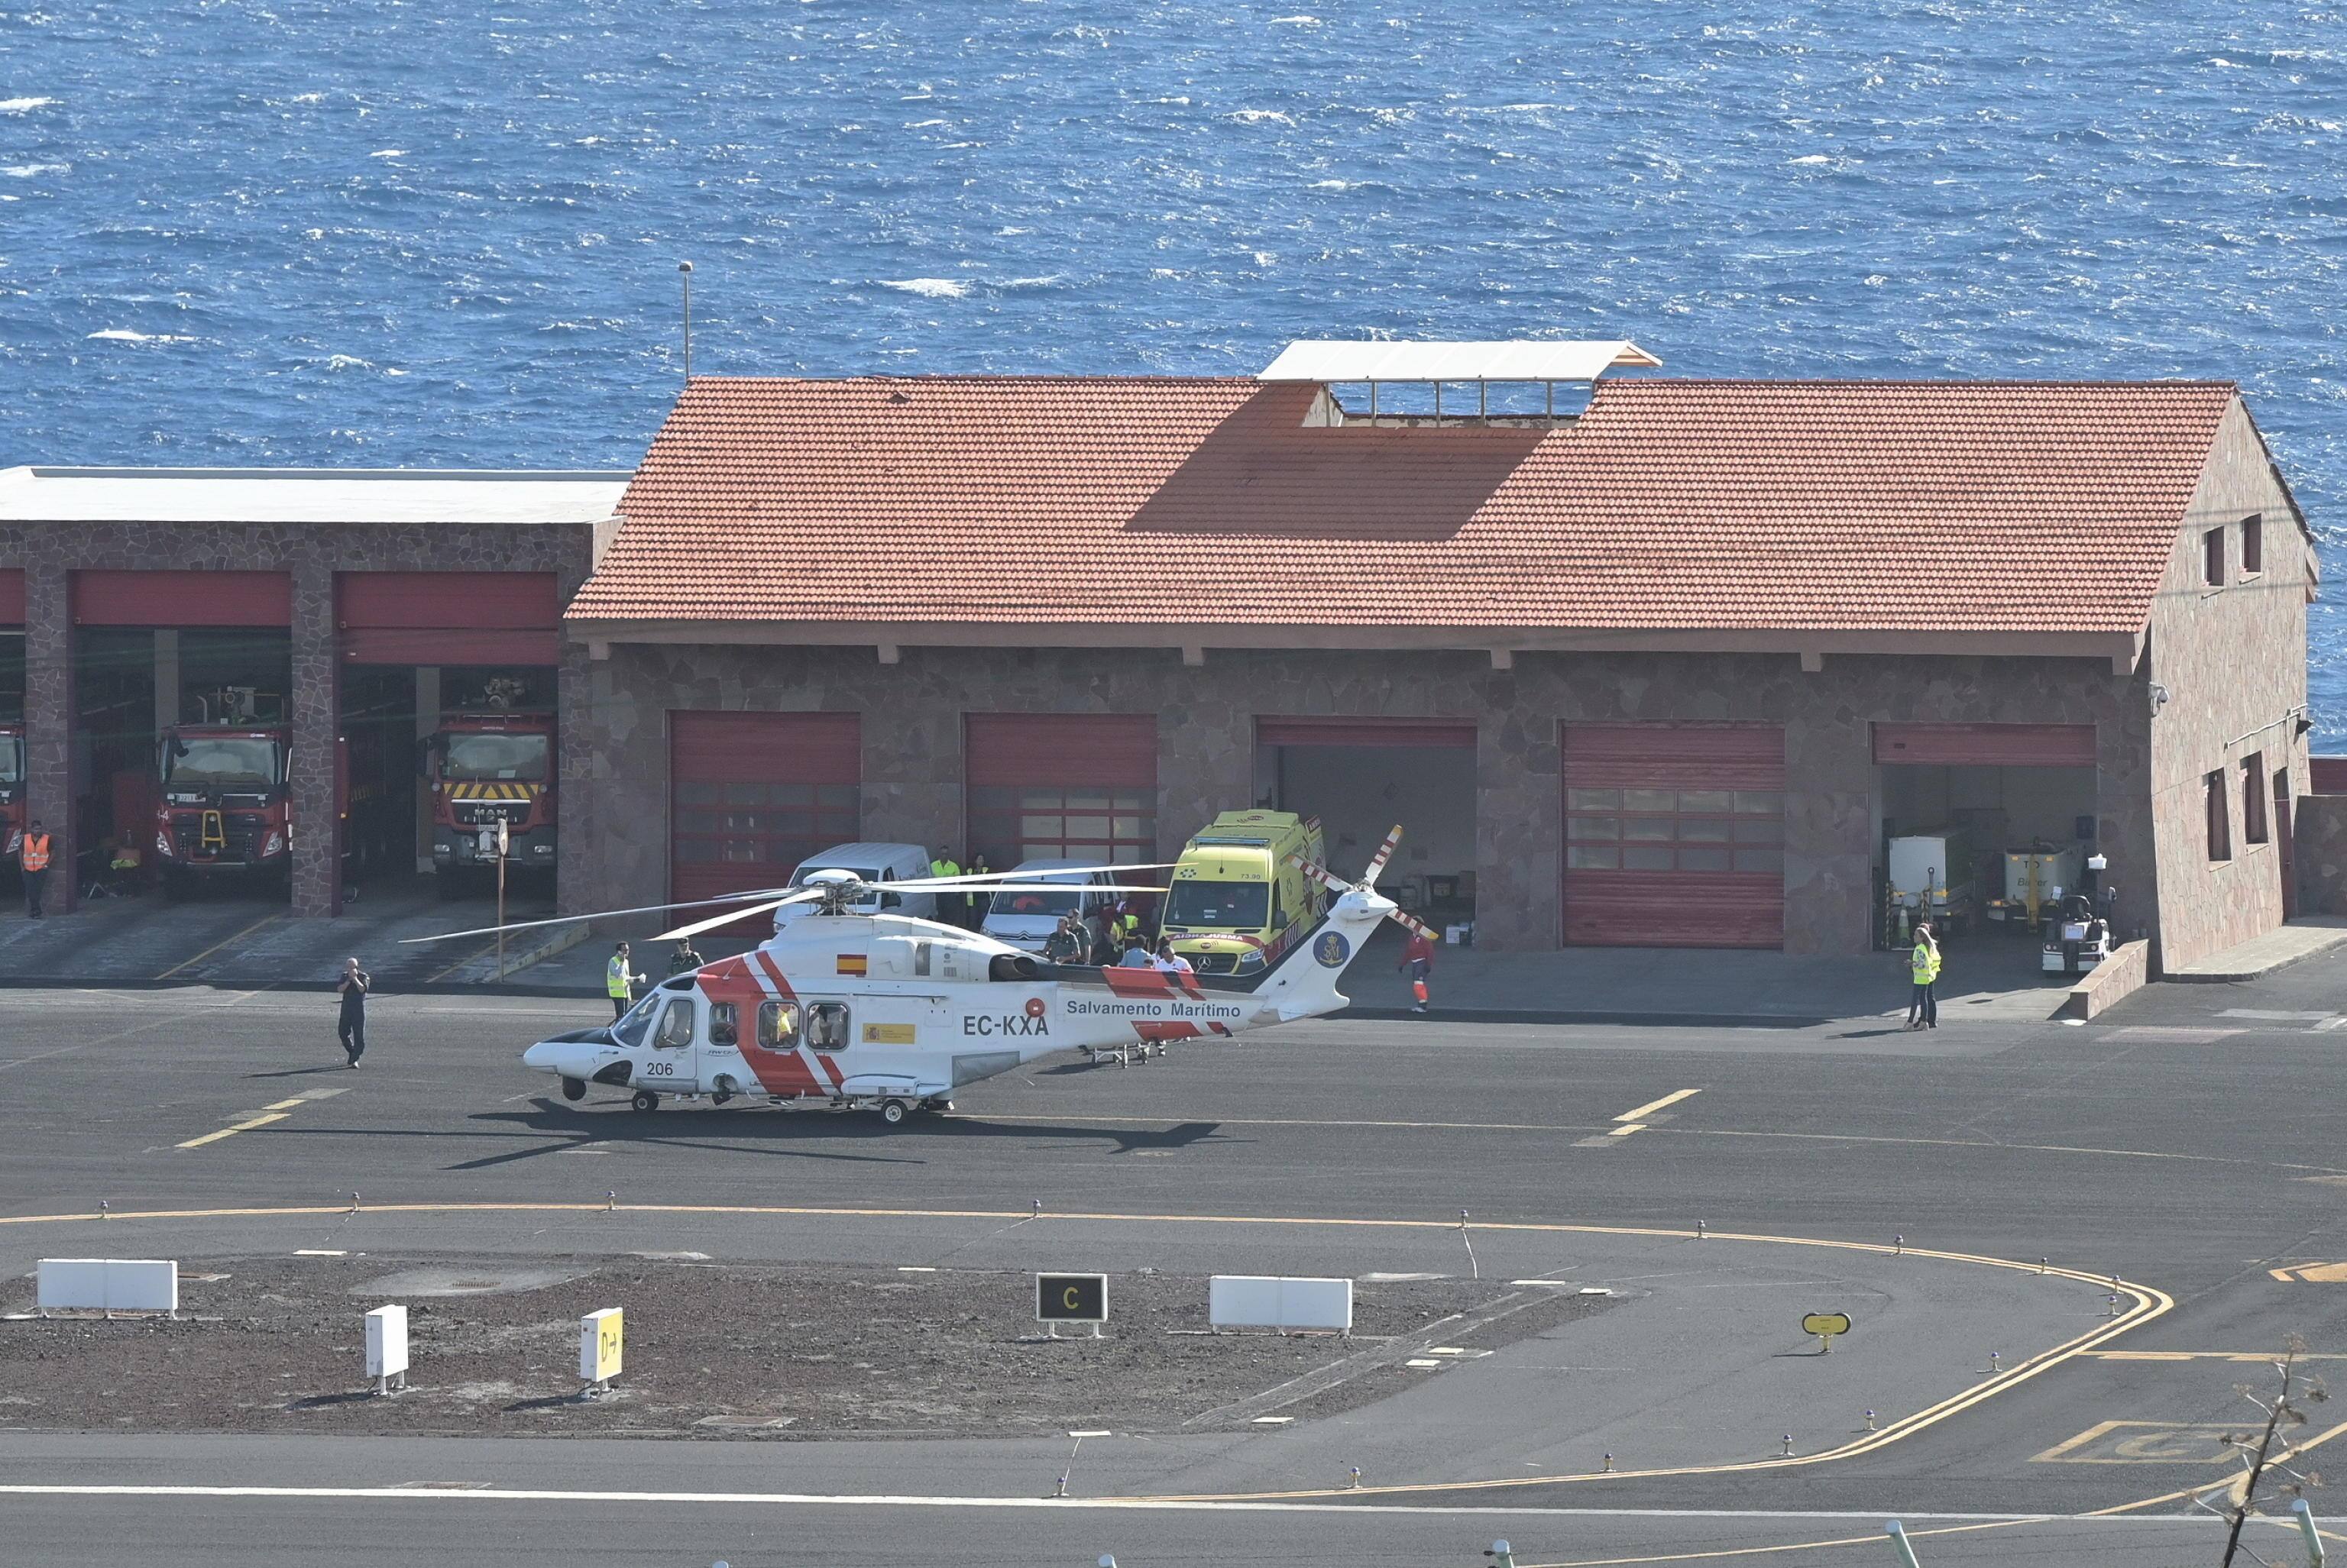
pixel 1169 960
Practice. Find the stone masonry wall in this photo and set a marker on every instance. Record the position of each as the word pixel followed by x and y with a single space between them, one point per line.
pixel 313 554
pixel 913 720
pixel 2233 661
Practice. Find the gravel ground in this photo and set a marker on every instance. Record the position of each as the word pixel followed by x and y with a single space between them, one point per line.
pixel 277 1344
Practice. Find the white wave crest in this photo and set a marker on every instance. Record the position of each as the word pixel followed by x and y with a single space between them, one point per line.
pixel 125 335
pixel 1257 116
pixel 389 152
pixel 928 288
pixel 22 106
pixel 32 171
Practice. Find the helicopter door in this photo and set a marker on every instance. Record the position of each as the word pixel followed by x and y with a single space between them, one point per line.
pixel 669 1063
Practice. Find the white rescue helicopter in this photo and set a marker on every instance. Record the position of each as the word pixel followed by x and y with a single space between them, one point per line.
pixel 841 1010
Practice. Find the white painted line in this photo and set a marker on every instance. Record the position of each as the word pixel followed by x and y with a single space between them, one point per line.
pixel 317 1252
pixel 1421 1362
pixel 1273 1421
pixel 914 1269
pixel 1103 1432
pixel 2271 1016
pixel 1651 1106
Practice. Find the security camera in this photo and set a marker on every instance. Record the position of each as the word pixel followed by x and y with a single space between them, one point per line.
pixel 2159 695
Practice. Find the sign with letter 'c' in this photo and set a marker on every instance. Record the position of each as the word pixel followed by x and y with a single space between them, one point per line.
pixel 598 1346
pixel 1071 1297
pixel 1826 1325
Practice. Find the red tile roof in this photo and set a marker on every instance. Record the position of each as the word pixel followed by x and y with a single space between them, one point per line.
pixel 1945 506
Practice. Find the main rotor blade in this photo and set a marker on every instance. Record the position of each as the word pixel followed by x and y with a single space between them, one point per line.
pixel 981 880
pixel 730 916
pixel 1385 854
pixel 598 914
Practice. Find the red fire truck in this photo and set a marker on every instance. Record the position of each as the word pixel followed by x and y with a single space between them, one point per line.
pixel 227 806
pixel 12 787
pixel 484 769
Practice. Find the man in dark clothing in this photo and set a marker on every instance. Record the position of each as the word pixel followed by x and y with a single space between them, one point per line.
pixel 1071 943
pixel 685 960
pixel 352 1029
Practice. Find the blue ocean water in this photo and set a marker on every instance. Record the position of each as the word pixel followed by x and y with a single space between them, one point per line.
pixel 419 232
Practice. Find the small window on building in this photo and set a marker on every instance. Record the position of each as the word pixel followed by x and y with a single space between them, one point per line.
pixel 2253 799
pixel 2212 570
pixel 2221 830
pixel 2253 545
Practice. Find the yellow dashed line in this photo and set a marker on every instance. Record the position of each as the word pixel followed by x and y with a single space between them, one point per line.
pixel 1651 1106
pixel 228 1131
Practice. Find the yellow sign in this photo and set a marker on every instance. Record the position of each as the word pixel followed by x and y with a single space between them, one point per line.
pixel 598 1346
pixel 2314 1273
pixel 1826 1325
pixel 888 1034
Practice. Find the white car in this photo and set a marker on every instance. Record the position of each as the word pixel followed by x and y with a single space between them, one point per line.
pixel 879 864
pixel 1026 921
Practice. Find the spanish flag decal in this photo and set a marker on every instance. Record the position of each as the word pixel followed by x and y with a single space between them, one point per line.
pixel 851 964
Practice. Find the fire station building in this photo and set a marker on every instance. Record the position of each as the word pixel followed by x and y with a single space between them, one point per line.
pixel 1634 659
pixel 1666 667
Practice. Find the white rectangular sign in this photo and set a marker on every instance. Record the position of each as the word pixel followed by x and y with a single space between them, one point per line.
pixel 386 1342
pixel 1271 1301
pixel 108 1284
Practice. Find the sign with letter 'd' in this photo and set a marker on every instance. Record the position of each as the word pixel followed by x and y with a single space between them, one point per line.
pixel 1071 1297
pixel 1826 1325
pixel 598 1346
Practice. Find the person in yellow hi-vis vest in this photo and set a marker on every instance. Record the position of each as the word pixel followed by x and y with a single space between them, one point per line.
pixel 1924 969
pixel 620 980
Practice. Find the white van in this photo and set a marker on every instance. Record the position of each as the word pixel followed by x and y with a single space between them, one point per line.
pixel 1026 920
pixel 877 863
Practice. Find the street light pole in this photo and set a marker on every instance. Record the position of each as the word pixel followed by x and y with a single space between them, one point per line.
pixel 684 269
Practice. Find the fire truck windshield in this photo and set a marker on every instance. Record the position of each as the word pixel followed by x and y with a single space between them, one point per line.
pixel 12 759
pixel 220 759
pixel 495 756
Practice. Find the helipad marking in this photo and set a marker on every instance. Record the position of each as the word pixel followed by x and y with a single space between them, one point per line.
pixel 2314 1273
pixel 2149 1303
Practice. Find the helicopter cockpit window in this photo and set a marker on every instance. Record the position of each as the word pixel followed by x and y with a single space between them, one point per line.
pixel 724 1028
pixel 778 1025
pixel 826 1025
pixel 676 1025
pixel 630 1031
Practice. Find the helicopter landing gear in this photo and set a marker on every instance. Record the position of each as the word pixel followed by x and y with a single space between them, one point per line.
pixel 574 1088
pixel 725 1089
pixel 645 1099
pixel 892 1112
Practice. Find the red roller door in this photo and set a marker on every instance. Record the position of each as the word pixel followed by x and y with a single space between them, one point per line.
pixel 1987 745
pixel 1061 786
pixel 1364 732
pixel 449 618
pixel 1674 835
pixel 2327 775
pixel 751 795
pixel 12 597
pixel 182 599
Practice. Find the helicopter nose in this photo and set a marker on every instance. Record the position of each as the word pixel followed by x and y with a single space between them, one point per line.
pixel 544 1056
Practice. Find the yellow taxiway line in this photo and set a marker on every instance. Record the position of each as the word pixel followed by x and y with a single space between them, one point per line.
pixel 236 936
pixel 1651 1106
pixel 262 1117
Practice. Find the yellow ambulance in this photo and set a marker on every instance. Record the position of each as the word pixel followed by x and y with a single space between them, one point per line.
pixel 1235 904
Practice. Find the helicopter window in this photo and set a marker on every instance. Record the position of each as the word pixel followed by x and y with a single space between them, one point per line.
pixel 725 1026
pixel 630 1031
pixel 921 960
pixel 676 1025
pixel 826 1026
pixel 778 1025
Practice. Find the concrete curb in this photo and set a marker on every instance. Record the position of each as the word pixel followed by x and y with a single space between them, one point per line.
pixel 2126 971
pixel 570 938
pixel 2234 976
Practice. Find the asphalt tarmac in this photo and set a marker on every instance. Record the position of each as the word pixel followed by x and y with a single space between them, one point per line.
pixel 2189 1144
